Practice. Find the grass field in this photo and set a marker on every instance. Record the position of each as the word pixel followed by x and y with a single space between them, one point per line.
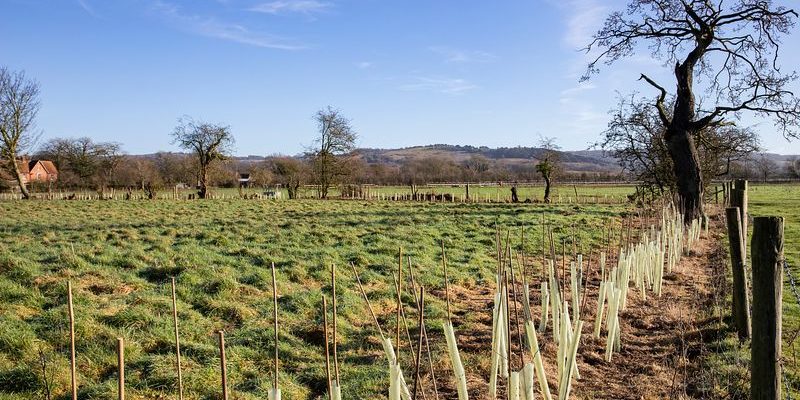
pixel 784 200
pixel 121 254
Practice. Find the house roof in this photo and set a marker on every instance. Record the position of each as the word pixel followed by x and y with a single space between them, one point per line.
pixel 48 166
pixel 26 167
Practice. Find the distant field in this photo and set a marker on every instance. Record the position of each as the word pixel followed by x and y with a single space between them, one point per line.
pixel 784 200
pixel 586 193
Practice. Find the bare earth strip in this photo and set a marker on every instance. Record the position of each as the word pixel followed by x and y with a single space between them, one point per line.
pixel 662 338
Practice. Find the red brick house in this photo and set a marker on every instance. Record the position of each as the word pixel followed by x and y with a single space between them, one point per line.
pixel 37 170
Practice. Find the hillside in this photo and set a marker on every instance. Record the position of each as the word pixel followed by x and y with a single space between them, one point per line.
pixel 578 161
pixel 513 157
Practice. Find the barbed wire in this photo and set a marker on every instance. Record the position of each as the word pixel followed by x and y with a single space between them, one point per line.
pixel 796 293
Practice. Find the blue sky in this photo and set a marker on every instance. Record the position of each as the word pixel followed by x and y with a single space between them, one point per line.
pixel 406 72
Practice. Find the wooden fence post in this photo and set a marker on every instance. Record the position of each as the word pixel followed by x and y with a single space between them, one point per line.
pixel 739 199
pixel 767 257
pixel 73 372
pixel 223 364
pixel 741 304
pixel 121 368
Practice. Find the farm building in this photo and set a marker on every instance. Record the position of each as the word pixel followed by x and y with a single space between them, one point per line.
pixel 33 171
pixel 38 170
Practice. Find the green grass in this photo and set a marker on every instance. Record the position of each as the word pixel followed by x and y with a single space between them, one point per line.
pixel 121 254
pixel 784 200
pixel 729 360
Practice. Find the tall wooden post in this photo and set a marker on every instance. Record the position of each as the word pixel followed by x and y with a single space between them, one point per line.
pixel 223 364
pixel 739 199
pixel 767 256
pixel 741 304
pixel 72 369
pixel 121 368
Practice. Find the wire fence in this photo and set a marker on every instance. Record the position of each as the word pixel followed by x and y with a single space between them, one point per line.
pixel 796 293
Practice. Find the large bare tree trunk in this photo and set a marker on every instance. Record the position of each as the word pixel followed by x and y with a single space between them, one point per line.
pixel 547 189
pixel 686 165
pixel 203 193
pixel 23 188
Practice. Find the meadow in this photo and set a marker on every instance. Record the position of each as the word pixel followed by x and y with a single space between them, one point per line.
pixel 120 256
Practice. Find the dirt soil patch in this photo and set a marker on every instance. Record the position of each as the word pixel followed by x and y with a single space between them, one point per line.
pixel 661 336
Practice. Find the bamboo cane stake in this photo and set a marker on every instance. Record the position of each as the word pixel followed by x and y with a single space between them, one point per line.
pixel 223 364
pixel 369 306
pixel 446 281
pixel 399 287
pixel 275 320
pixel 516 311
pixel 419 343
pixel 327 350
pixel 408 333
pixel 121 368
pixel 335 325
pixel 177 341
pixel 425 336
pixel 73 372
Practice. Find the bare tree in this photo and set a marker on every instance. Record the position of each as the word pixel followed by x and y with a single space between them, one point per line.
pixel 289 172
pixel 549 164
pixel 765 166
pixel 83 162
pixel 209 143
pixel 731 49
pixel 793 168
pixel 19 104
pixel 175 168
pixel 335 143
pixel 635 137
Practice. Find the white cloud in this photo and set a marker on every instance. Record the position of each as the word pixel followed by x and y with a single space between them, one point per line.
pixel 364 65
pixel 291 6
pixel 88 8
pixel 212 27
pixel 440 85
pixel 584 18
pixel 570 93
pixel 462 56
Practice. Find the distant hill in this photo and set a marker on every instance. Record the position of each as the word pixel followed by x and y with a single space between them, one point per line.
pixel 574 160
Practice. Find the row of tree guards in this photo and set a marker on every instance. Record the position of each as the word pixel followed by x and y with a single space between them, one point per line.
pixel 639 269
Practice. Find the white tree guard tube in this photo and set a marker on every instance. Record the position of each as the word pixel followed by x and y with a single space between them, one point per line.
pixel 526 301
pixel 598 319
pixel 455 361
pixel 527 381
pixel 504 337
pixel 571 364
pixel 496 345
pixel 274 394
pixel 530 330
pixel 513 386
pixel 545 307
pixel 337 391
pixel 394 382
pixel 390 355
